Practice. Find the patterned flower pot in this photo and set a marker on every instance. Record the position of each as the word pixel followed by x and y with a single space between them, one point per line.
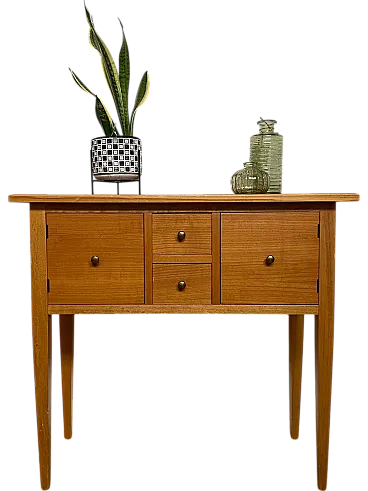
pixel 116 158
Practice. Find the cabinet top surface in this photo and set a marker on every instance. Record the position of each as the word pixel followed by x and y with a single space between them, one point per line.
pixel 182 198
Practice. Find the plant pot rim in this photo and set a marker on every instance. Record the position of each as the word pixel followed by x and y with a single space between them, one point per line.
pixel 116 136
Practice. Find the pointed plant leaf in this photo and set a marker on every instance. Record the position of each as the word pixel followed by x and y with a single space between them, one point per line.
pixel 112 79
pixel 109 70
pixel 143 91
pixel 142 95
pixel 88 15
pixel 132 125
pixel 92 40
pixel 79 82
pixel 91 36
pixel 124 75
pixel 102 113
pixel 104 118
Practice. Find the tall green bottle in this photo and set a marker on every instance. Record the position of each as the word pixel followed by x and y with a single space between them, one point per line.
pixel 266 149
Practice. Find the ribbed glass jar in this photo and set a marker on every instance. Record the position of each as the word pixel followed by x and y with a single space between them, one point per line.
pixel 250 180
pixel 266 152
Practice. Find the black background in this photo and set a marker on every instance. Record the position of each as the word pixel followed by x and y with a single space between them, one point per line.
pixel 171 406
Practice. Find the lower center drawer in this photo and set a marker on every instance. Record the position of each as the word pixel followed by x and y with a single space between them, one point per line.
pixel 182 284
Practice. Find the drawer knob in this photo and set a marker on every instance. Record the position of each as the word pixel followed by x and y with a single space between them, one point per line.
pixel 95 260
pixel 181 236
pixel 270 260
pixel 181 285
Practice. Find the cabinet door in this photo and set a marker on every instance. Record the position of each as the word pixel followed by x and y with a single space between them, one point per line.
pixel 247 239
pixel 116 240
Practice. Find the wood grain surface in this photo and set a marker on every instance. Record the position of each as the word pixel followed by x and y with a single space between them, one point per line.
pixel 42 342
pixel 196 276
pixel 23 197
pixel 197 228
pixel 216 258
pixel 324 336
pixel 248 238
pixel 183 310
pixel 118 242
pixel 148 258
pixel 67 353
pixel 183 258
pixel 296 324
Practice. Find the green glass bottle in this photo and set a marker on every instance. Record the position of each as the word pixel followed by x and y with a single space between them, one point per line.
pixel 266 149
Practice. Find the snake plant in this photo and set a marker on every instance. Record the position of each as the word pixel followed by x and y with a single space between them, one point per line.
pixel 118 84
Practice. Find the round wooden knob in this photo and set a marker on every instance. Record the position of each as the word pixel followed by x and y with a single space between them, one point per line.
pixel 181 285
pixel 181 236
pixel 270 260
pixel 95 260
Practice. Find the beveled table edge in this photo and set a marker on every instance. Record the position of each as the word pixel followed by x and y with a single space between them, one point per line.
pixel 184 198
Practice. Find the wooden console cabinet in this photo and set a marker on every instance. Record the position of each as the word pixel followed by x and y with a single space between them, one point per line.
pixel 183 254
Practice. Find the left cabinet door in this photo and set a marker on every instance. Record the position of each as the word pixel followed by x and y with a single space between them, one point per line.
pixel 114 276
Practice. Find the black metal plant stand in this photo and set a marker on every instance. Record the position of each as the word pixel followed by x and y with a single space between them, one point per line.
pixel 135 184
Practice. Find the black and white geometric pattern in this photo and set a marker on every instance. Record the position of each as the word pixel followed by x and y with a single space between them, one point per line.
pixel 116 155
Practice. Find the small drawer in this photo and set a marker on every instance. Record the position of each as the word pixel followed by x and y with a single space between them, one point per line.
pixel 182 284
pixel 181 233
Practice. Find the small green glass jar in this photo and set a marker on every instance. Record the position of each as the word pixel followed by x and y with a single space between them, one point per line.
pixel 250 180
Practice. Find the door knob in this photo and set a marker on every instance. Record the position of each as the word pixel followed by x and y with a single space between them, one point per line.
pixel 181 285
pixel 181 236
pixel 95 260
pixel 270 260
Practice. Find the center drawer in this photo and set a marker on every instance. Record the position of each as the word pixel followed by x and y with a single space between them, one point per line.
pixel 182 284
pixel 181 233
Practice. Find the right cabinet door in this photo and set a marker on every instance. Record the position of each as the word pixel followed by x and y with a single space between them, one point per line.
pixel 269 258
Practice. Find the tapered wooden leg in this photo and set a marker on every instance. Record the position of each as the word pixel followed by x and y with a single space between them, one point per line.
pixel 324 334
pixel 41 329
pixel 67 359
pixel 296 333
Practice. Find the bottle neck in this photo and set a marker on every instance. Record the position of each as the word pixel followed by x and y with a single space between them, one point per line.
pixel 267 126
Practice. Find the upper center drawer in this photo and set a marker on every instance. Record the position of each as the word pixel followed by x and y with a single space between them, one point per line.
pixel 181 233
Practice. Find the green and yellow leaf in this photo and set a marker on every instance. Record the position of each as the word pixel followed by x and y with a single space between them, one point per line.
pixel 79 82
pixel 105 119
pixel 109 70
pixel 141 97
pixel 102 113
pixel 124 75
pixel 91 36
